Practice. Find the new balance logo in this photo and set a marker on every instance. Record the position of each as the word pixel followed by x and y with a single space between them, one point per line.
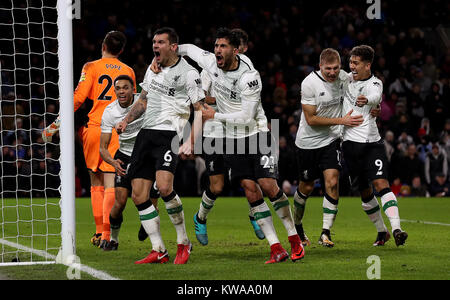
pixel 253 83
pixel 322 94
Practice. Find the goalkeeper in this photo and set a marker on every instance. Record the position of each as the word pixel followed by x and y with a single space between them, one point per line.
pixel 95 84
pixel 114 113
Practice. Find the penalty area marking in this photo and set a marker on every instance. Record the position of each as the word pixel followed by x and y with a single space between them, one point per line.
pixel 91 271
pixel 424 222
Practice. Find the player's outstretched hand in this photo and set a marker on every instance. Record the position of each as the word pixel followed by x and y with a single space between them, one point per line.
pixel 352 121
pixel 51 130
pixel 208 112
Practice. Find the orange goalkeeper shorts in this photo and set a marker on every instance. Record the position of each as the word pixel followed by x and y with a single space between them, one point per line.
pixel 91 148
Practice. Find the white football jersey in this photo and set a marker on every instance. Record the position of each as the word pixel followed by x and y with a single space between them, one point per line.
pixel 113 114
pixel 170 94
pixel 215 128
pixel 229 88
pixel 327 97
pixel 372 88
pixel 211 128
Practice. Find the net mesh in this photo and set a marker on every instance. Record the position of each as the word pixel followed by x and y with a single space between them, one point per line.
pixel 30 222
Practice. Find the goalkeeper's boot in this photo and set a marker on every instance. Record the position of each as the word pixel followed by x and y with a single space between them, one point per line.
pixel 111 246
pixel 50 130
pixel 382 238
pixel 400 237
pixel 96 238
pixel 142 235
pixel 154 257
pixel 325 239
pixel 297 250
pixel 200 230
pixel 259 233
pixel 302 235
pixel 277 254
pixel 183 254
pixel 103 244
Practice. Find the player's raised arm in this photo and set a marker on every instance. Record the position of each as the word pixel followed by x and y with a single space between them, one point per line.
pixel 203 58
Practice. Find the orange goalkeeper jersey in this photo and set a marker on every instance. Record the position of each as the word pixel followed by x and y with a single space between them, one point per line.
pixel 97 83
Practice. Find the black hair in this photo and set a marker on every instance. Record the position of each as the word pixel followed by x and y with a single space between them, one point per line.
pixel 173 36
pixel 124 77
pixel 365 52
pixel 115 41
pixel 232 37
pixel 242 35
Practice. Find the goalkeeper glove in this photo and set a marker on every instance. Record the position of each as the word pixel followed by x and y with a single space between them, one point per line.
pixel 50 130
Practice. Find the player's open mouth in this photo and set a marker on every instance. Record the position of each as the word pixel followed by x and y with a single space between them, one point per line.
pixel 219 59
pixel 157 54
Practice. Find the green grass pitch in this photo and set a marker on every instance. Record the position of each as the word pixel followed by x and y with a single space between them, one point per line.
pixel 234 252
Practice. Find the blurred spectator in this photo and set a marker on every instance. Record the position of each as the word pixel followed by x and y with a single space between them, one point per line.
pixel 435 108
pixel 389 144
pixel 287 165
pixel 401 85
pixel 435 163
pixel 410 165
pixel 396 186
pixel 405 191
pixel 418 189
pixel 403 141
pixel 440 187
pixel 424 147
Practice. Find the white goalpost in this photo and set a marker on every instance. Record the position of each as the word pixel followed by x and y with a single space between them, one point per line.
pixel 37 179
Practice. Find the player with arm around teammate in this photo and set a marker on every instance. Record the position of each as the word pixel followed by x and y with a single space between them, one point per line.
pixel 165 103
pixel 213 134
pixel 363 147
pixel 114 113
pixel 318 140
pixel 236 86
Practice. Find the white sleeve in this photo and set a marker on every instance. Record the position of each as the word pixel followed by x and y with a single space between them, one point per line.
pixel 106 124
pixel 307 94
pixel 206 81
pixel 374 91
pixel 250 86
pixel 247 113
pixel 194 86
pixel 203 58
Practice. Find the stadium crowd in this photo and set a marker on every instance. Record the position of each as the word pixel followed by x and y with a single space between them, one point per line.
pixel 285 40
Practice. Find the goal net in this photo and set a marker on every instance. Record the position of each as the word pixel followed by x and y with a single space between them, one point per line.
pixel 31 214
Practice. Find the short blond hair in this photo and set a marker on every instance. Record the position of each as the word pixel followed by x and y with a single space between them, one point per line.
pixel 329 55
